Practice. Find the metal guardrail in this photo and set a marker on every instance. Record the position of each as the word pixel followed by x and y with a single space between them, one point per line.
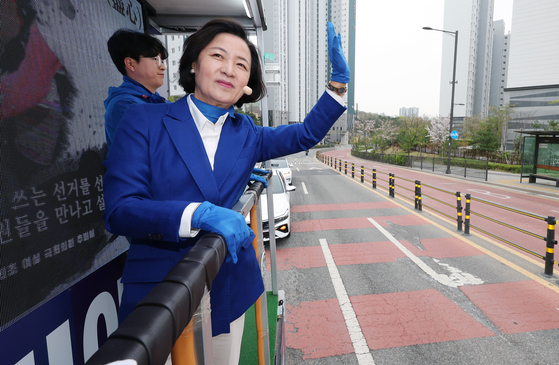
pixel 419 201
pixel 160 321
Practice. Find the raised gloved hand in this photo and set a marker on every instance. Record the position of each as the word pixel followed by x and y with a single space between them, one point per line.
pixel 226 222
pixel 340 68
pixel 262 179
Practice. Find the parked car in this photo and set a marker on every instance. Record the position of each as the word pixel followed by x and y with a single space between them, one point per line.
pixel 282 165
pixel 282 207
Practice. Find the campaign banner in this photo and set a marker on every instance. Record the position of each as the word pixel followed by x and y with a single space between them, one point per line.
pixel 55 71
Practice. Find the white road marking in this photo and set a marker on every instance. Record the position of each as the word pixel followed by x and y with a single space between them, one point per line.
pixel 364 356
pixel 455 280
pixel 304 187
pixel 485 192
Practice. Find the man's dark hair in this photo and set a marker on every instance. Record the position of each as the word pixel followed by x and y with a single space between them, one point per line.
pixel 204 36
pixel 128 43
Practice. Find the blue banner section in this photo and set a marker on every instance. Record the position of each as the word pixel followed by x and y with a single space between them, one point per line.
pixel 70 327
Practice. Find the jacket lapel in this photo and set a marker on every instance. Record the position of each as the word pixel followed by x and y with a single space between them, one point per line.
pixel 187 141
pixel 231 143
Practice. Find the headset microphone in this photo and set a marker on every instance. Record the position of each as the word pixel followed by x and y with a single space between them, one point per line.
pixel 247 90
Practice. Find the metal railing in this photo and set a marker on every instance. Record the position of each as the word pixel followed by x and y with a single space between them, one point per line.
pixel 174 318
pixel 458 166
pixel 456 205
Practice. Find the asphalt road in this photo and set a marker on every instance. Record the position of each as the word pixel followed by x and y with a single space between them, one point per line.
pixel 369 280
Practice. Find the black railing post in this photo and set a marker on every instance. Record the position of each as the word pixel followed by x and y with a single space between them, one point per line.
pixel 458 211
pixel 550 246
pixel 362 173
pixel 465 166
pixel 416 201
pixel 467 215
pixel 433 164
pixel 419 203
pixel 374 178
pixel 486 168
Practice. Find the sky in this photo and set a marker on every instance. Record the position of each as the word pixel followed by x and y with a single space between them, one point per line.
pixel 397 63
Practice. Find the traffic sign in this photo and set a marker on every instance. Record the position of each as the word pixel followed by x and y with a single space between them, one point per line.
pixel 454 134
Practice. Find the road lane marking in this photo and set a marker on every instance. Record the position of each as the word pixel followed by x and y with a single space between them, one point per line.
pixel 304 188
pixel 364 356
pixel 486 192
pixel 457 279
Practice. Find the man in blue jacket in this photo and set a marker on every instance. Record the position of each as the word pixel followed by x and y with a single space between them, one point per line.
pixel 140 58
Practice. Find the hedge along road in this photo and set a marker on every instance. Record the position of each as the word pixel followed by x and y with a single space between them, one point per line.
pixel 505 189
pixel 362 270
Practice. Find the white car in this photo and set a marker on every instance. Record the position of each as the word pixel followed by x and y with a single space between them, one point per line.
pixel 282 165
pixel 282 207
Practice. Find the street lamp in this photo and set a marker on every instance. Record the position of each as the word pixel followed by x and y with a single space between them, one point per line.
pixel 455 35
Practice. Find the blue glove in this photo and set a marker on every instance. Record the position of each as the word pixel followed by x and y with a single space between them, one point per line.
pixel 340 68
pixel 226 222
pixel 262 179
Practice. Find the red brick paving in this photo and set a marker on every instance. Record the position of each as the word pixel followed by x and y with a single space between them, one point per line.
pixel 317 329
pixel 365 253
pixel 344 206
pixel 297 258
pixel 516 307
pixel 354 223
pixel 413 318
pixel 443 247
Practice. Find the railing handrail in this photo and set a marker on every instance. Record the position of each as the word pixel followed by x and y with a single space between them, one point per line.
pixel 148 334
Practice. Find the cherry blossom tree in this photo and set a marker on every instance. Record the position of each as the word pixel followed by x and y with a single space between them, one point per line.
pixel 438 129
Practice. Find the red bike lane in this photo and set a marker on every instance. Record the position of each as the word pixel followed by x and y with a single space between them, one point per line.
pixel 500 223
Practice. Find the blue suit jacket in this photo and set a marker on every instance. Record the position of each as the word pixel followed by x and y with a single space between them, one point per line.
pixel 158 165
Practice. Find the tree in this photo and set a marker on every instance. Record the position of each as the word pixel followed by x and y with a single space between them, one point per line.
pixel 410 131
pixel 384 133
pixel 363 129
pixel 500 116
pixel 438 129
pixel 486 137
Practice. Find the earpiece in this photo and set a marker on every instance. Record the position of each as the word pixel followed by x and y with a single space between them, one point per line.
pixel 247 90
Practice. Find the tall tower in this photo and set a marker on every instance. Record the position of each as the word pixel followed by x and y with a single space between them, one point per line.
pixel 474 21
pixel 533 72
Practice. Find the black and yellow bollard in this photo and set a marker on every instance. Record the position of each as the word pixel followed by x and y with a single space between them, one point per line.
pixel 416 201
pixel 352 170
pixel 340 165
pixel 550 246
pixel 362 173
pixel 467 215
pixel 419 201
pixel 374 178
pixel 345 167
pixel 458 211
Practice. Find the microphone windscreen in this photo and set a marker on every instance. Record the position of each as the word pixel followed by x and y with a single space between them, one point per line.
pixel 247 90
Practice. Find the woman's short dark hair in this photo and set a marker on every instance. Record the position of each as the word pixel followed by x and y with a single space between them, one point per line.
pixel 194 45
pixel 128 43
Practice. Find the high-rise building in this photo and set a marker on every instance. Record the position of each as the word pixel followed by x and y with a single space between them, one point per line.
pixel 473 19
pixel 296 55
pixel 499 64
pixel 533 74
pixel 409 112
pixel 174 44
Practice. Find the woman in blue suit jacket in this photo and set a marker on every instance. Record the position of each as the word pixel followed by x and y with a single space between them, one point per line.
pixel 176 169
